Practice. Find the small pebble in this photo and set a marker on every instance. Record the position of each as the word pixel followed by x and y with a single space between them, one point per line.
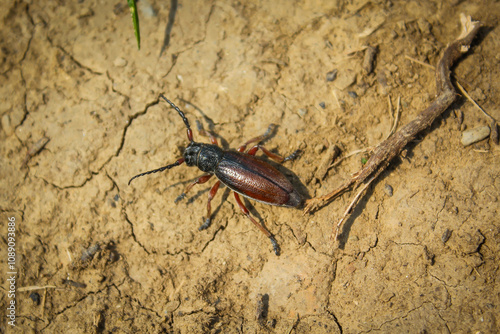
pixel 147 9
pixel 172 306
pixel 474 135
pixel 35 297
pixel 319 148
pixel 35 149
pixel 85 12
pixel 322 105
pixel 271 323
pixel 388 190
pixel 392 67
pixel 120 62
pixel 424 26
pixel 346 79
pixel 352 94
pixel 368 59
pixel 88 254
pixel 382 80
pixel 332 75
pixel 446 236
pixel 113 256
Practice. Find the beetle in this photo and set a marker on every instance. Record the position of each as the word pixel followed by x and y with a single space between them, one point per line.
pixel 240 171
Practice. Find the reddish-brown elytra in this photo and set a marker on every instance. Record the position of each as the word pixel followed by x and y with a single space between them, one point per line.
pixel 241 172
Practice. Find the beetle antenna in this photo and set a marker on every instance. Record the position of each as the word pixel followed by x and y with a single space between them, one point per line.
pixel 189 132
pixel 177 163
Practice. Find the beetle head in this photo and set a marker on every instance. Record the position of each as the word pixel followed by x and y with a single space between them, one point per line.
pixel 191 153
pixel 204 156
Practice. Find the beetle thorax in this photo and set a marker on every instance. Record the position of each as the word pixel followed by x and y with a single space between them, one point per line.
pixel 204 156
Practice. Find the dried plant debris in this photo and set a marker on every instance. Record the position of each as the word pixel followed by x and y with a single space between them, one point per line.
pixel 35 149
pixel 369 59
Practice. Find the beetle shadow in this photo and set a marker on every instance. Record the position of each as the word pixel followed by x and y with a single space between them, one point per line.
pixel 210 123
pixel 191 198
pixel 192 195
pixel 253 211
pixel 358 209
pixel 299 186
pixel 224 199
pixel 343 236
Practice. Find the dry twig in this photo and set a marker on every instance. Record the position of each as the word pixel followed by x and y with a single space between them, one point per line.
pixel 461 88
pixel 396 118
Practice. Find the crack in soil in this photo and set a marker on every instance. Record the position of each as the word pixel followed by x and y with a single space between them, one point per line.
pixel 68 307
pixel 337 322
pixel 26 113
pixel 402 317
pixel 221 228
pixel 445 322
pixel 133 233
pixel 445 284
pixel 73 59
pixel 149 252
pixel 25 98
pixel 129 124
pixel 31 37
pixel 106 162
pixel 113 89
pixel 433 224
pixel 147 309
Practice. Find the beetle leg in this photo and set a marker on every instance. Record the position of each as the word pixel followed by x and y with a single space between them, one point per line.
pixel 258 139
pixel 202 179
pixel 272 155
pixel 211 196
pixel 261 227
pixel 205 133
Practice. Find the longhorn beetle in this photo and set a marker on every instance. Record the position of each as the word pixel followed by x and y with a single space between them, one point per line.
pixel 241 172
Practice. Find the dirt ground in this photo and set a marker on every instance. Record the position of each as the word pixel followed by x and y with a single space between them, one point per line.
pixel 420 254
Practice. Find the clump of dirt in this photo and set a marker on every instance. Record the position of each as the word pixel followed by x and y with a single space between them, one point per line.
pixel 94 254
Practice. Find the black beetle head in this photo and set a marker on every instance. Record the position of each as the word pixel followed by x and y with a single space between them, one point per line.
pixel 204 156
pixel 191 153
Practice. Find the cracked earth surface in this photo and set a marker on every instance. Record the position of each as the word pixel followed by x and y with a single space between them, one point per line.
pixel 425 259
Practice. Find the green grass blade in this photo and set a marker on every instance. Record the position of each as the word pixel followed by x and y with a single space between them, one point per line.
pixel 135 20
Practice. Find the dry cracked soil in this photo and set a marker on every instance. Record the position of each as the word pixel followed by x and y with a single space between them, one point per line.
pixel 420 253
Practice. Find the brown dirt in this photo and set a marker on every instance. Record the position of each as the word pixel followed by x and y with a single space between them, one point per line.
pixel 71 71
